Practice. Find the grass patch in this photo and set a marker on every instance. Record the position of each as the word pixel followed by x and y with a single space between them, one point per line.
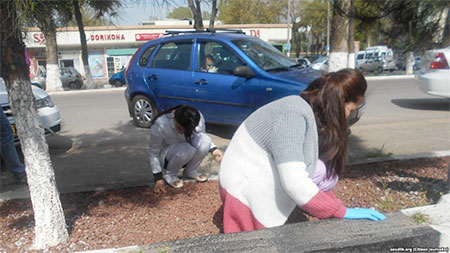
pixel 421 218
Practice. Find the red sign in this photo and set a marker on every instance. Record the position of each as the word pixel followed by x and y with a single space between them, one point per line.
pixel 147 36
pixel 107 37
pixel 39 38
pixel 255 33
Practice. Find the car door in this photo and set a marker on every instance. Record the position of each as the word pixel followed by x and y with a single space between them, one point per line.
pixel 218 94
pixel 170 73
pixel 64 73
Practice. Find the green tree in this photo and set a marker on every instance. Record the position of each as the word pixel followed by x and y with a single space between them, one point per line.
pixel 50 227
pixel 44 14
pixel 100 9
pixel 180 13
pixel 90 18
pixel 312 22
pixel 251 11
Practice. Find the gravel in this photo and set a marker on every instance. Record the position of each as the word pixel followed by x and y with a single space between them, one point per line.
pixel 137 216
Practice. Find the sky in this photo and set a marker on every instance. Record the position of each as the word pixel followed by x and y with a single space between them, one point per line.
pixel 135 11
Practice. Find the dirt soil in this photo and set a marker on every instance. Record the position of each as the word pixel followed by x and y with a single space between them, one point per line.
pixel 137 216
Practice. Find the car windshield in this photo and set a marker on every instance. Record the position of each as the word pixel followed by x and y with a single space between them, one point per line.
pixel 265 55
pixel 320 59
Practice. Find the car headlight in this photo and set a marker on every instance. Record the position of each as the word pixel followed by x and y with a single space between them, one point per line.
pixel 44 102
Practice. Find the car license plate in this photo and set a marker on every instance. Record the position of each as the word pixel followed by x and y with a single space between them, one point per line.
pixel 13 127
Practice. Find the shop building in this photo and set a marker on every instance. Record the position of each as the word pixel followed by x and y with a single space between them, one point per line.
pixel 110 48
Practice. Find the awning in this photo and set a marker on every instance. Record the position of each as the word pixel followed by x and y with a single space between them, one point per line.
pixel 121 51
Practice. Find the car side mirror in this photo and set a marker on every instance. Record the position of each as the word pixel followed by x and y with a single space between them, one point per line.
pixel 243 71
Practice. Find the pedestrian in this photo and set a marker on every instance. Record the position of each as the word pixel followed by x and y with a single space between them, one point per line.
pixel 272 162
pixel 178 139
pixel 8 150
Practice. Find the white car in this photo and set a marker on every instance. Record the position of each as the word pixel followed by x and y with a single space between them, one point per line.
pixel 48 111
pixel 320 64
pixel 434 77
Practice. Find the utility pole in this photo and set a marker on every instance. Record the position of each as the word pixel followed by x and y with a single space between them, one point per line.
pixel 328 49
pixel 288 43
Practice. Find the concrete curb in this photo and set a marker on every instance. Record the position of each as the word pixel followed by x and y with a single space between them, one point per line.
pixel 328 235
pixel 401 157
pixel 100 90
pixel 21 191
pixel 374 78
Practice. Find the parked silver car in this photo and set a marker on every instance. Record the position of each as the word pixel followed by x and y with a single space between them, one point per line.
pixel 48 111
pixel 70 78
pixel 371 65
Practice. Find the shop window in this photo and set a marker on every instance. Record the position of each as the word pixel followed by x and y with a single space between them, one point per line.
pixel 66 63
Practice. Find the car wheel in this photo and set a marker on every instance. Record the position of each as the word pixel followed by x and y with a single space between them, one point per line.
pixel 117 83
pixel 74 85
pixel 380 70
pixel 143 111
pixel 361 70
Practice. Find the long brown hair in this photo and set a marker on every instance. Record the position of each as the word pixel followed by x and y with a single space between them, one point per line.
pixel 327 96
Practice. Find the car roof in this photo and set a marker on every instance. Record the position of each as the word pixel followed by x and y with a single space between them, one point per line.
pixel 222 35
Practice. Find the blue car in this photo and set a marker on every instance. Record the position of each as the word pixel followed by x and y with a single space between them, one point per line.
pixel 118 79
pixel 225 74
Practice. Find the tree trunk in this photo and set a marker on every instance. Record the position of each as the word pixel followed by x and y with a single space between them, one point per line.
pixel 197 14
pixel 409 63
pixel 84 51
pixel 213 14
pixel 50 227
pixel 53 79
pixel 351 37
pixel 339 36
pixel 446 34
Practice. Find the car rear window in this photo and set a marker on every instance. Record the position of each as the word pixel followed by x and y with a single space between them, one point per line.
pixel 174 56
pixel 146 56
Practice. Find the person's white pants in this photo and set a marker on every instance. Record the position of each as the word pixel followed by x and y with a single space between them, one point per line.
pixel 184 154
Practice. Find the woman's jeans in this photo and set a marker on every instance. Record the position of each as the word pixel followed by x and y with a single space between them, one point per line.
pixel 8 149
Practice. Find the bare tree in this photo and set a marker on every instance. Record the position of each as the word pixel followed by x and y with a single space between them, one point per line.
pixel 196 9
pixel 50 227
pixel 212 20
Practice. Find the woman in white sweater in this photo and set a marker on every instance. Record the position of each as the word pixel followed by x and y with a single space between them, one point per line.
pixel 178 139
pixel 270 164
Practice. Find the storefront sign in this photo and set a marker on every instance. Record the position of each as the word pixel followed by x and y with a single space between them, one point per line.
pixel 255 33
pixel 39 38
pixel 147 36
pixel 103 37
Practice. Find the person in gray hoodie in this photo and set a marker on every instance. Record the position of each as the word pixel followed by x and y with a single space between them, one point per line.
pixel 178 139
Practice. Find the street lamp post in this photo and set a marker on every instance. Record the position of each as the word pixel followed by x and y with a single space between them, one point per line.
pixel 288 49
pixel 328 27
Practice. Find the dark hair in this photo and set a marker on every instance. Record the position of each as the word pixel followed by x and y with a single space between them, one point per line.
pixel 187 116
pixel 327 96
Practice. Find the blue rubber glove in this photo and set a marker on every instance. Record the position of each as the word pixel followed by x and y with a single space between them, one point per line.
pixel 363 213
